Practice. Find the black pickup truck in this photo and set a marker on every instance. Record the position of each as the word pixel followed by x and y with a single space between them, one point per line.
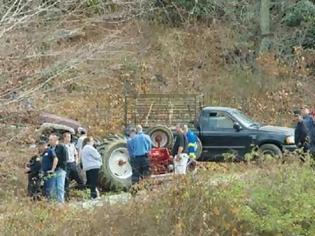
pixel 226 130
pixel 220 129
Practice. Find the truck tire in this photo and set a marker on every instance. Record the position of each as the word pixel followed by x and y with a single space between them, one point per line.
pixel 162 132
pixel 271 149
pixel 116 172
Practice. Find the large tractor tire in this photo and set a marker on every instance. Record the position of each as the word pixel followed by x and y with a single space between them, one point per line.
pixel 115 174
pixel 161 134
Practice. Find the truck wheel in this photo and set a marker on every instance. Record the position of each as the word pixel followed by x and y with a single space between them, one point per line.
pixel 115 173
pixel 270 149
pixel 161 134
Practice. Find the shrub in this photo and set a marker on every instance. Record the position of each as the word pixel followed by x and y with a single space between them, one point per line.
pixel 302 11
pixel 180 11
pixel 276 200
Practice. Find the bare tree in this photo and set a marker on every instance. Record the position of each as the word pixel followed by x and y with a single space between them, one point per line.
pixel 265 42
pixel 18 12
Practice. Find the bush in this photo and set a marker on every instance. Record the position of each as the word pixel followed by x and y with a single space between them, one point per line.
pixel 180 11
pixel 285 207
pixel 277 200
pixel 303 11
pixel 274 199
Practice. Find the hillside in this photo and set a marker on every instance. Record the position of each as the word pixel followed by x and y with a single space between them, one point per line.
pixel 79 58
pixel 82 60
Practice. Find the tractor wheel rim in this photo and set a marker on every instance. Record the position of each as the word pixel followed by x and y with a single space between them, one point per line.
pixel 119 170
pixel 163 138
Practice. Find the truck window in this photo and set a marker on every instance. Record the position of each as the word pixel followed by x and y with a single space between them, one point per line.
pixel 214 121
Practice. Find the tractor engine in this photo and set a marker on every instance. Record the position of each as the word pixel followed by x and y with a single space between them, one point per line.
pixel 161 161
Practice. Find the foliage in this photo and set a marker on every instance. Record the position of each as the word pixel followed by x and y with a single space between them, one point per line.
pixel 286 207
pixel 184 11
pixel 302 17
pixel 302 11
pixel 276 201
pixel 270 200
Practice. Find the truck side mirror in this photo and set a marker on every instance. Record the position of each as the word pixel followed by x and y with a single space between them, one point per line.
pixel 237 126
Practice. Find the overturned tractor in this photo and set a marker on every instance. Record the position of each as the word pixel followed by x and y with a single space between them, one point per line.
pixel 148 110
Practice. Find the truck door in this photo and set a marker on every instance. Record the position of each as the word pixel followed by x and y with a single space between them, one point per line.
pixel 218 136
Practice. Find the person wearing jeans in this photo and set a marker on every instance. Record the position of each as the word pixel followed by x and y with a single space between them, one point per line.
pixel 139 145
pixel 59 166
pixel 92 162
pixel 60 178
pixel 49 186
pixel 47 157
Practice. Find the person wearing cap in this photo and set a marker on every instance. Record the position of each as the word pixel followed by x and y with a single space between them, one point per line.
pixel 300 132
pixel 139 146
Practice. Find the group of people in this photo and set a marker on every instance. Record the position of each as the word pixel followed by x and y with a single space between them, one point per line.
pixel 59 161
pixel 139 146
pixel 305 130
pixel 58 164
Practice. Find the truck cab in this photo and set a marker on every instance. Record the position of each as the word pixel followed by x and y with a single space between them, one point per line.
pixel 227 130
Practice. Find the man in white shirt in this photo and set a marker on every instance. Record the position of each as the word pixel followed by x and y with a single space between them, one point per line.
pixel 73 160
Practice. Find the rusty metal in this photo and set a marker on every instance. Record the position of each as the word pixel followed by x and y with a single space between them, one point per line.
pixel 167 109
pixel 51 118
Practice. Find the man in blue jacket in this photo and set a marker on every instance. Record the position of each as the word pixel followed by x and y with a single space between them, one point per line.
pixel 139 146
pixel 192 140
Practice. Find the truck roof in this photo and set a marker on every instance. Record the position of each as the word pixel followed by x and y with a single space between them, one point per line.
pixel 219 109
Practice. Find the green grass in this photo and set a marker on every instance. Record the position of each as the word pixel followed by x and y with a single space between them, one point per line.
pixel 270 199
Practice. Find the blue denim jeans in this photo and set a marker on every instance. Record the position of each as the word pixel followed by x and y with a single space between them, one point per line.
pixel 49 186
pixel 59 185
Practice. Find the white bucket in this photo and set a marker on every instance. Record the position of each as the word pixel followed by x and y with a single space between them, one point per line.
pixel 181 164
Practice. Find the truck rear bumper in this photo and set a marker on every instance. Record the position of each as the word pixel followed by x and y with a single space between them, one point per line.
pixel 289 148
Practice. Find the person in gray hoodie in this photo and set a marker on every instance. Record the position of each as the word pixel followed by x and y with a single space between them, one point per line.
pixel 92 162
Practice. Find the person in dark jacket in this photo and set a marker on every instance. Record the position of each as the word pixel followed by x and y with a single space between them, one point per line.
pixel 307 119
pixel 47 156
pixel 312 139
pixel 32 169
pixel 179 151
pixel 301 132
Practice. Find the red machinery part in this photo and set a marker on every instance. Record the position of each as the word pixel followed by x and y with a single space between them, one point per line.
pixel 160 159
